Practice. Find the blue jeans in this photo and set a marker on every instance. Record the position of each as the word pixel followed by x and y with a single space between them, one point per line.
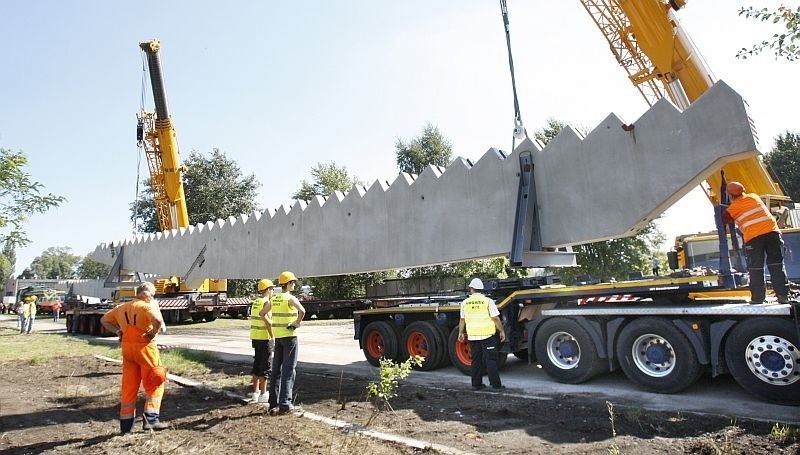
pixel 281 380
pixel 27 324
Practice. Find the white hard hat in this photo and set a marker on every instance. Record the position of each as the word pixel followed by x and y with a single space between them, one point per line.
pixel 476 283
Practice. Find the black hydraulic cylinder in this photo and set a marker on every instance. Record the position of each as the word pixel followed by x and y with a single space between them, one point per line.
pixel 156 79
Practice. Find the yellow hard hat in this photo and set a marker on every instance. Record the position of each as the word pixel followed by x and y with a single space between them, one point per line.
pixel 265 284
pixel 29 298
pixel 286 277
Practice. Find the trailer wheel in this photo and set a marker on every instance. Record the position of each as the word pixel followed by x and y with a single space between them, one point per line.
pixel 424 340
pixel 209 316
pixel 566 351
pixel 763 355
pixel 655 355
pixel 92 326
pixel 69 323
pixel 380 340
pixel 461 354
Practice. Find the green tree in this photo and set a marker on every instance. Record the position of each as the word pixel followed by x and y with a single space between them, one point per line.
pixel 215 188
pixel 20 197
pixel 55 262
pixel 784 160
pixel 786 42
pixel 90 269
pixel 615 258
pixel 326 178
pixel 429 148
pixel 546 134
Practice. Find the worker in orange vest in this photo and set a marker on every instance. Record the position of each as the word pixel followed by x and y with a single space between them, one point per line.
pixel 137 323
pixel 761 238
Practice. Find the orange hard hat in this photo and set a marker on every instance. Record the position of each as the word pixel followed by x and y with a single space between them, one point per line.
pixel 735 188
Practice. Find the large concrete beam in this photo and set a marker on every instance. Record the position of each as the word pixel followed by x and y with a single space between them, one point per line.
pixel 606 185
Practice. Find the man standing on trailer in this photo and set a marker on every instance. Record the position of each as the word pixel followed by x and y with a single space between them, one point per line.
pixel 262 340
pixel 287 313
pixel 480 324
pixel 761 238
pixel 137 323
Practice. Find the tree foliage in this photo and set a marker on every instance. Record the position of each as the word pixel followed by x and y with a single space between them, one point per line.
pixel 616 258
pixel 550 131
pixel 91 269
pixel 784 160
pixel 786 42
pixel 214 186
pixel 20 197
pixel 55 262
pixel 326 178
pixel 429 148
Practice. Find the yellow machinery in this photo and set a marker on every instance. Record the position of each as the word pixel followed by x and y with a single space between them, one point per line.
pixel 156 134
pixel 660 59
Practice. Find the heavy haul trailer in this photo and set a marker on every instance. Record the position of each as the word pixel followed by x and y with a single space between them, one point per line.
pixel 660 331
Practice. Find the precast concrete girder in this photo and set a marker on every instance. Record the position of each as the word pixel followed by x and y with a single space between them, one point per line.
pixel 606 185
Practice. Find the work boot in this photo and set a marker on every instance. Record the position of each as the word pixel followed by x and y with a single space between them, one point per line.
pixel 150 422
pixel 125 425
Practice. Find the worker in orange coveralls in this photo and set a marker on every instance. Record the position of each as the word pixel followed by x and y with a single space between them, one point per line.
pixel 137 324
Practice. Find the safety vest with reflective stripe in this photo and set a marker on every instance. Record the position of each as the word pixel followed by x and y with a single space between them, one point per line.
pixel 258 328
pixel 283 314
pixel 476 316
pixel 751 216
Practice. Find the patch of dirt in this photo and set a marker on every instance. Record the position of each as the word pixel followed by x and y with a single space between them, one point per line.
pixel 70 405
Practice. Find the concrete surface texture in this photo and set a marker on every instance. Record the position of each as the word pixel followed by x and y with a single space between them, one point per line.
pixel 606 185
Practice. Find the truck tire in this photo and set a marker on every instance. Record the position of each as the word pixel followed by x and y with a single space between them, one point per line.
pixel 763 355
pixel 657 356
pixel 566 351
pixel 91 324
pixel 444 334
pixel 461 354
pixel 380 339
pixel 209 316
pixel 423 339
pixel 68 319
pixel 197 317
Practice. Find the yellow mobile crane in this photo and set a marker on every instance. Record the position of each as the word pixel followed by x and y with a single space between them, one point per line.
pixel 156 134
pixel 660 59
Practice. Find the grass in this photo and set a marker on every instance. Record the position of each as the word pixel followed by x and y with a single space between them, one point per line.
pixel 185 362
pixel 784 433
pixel 38 348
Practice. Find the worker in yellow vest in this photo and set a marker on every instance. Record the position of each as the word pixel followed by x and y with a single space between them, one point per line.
pixel 262 340
pixel 761 238
pixel 28 313
pixel 287 313
pixel 480 324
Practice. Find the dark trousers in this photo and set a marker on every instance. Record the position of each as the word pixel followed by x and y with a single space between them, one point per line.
pixel 769 245
pixel 484 356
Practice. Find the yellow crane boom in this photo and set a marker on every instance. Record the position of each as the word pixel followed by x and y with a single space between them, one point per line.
pixel 157 135
pixel 659 57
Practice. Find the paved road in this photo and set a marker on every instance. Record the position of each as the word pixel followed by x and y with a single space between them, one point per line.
pixel 332 349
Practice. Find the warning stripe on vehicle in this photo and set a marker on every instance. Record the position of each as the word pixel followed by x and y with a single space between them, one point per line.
pixel 173 304
pixel 238 301
pixel 609 299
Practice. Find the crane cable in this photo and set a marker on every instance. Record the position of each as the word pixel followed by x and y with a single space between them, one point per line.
pixel 139 145
pixel 519 129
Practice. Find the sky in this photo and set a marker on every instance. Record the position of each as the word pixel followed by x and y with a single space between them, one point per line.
pixel 281 86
